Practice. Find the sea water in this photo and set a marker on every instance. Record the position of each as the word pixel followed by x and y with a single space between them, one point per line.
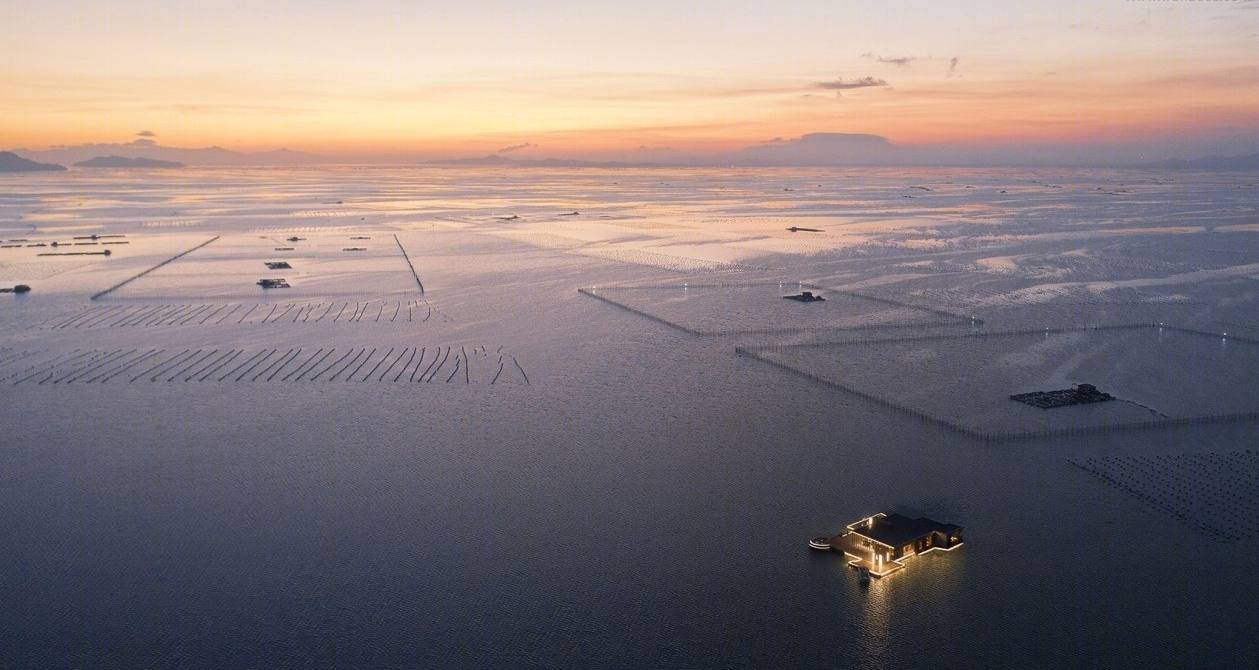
pixel 630 494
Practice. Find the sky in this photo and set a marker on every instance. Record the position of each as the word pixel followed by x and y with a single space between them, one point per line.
pixel 600 79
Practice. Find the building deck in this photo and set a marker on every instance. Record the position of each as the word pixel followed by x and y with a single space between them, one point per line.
pixel 862 557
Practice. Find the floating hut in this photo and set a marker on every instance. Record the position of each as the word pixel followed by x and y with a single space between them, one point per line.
pixel 882 542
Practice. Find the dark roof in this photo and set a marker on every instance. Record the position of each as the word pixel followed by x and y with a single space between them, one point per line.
pixel 895 530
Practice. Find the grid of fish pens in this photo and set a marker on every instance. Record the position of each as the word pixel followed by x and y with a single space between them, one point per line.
pixel 1215 493
pixel 137 316
pixel 412 365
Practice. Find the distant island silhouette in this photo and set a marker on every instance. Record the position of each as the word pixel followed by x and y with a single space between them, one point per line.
pixel 1212 162
pixel 11 162
pixel 820 149
pixel 123 162
pixel 195 157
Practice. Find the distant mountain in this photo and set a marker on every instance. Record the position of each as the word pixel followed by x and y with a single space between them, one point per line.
pixel 820 149
pixel 1213 162
pixel 504 161
pixel 493 159
pixel 121 162
pixel 11 162
pixel 147 149
pixel 813 149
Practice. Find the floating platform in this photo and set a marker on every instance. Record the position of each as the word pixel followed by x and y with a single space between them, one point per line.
pixel 273 283
pixel 881 543
pixel 1080 395
pixel 278 265
pixel 76 253
pixel 806 296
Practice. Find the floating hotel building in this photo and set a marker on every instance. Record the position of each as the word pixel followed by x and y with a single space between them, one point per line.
pixel 882 542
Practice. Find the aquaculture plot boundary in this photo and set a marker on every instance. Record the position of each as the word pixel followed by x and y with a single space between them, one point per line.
pixel 398 364
pixel 944 318
pixel 160 265
pixel 761 353
pixel 310 276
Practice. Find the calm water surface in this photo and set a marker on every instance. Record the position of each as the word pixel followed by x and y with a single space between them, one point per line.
pixel 645 501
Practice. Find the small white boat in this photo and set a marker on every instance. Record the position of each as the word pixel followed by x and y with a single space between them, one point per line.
pixel 820 543
pixel 863 575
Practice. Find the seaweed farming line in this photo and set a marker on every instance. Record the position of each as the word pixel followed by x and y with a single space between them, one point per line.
pixel 401 365
pixel 18 374
pixel 1002 436
pixel 10 355
pixel 1214 493
pixel 764 331
pixel 136 316
pixel 168 260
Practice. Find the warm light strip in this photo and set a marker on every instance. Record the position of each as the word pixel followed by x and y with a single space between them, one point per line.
pixel 943 548
pixel 898 564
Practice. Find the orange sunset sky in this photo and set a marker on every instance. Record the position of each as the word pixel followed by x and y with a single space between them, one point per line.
pixel 597 78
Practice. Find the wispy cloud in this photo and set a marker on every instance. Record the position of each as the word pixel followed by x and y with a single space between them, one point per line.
pixel 841 85
pixel 146 133
pixel 952 67
pixel 217 108
pixel 516 147
pixel 898 61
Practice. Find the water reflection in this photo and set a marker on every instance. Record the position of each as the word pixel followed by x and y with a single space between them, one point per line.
pixel 874 630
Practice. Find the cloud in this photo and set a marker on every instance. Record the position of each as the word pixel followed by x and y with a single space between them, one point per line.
pixel 952 66
pixel 898 61
pixel 146 133
pixel 216 108
pixel 142 143
pixel 841 85
pixel 516 147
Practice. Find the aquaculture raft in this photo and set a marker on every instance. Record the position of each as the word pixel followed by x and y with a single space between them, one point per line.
pixel 1081 394
pixel 806 296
